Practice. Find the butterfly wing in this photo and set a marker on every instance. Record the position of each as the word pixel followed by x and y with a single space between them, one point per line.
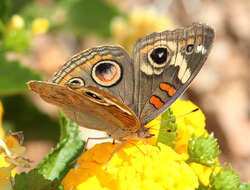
pixel 165 63
pixel 107 67
pixel 89 107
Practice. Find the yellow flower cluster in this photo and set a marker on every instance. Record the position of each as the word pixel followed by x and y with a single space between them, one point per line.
pixel 139 23
pixel 9 146
pixel 3 163
pixel 5 172
pixel 39 25
pixel 144 166
pixel 193 123
pixel 5 183
pixel 16 23
pixel 156 168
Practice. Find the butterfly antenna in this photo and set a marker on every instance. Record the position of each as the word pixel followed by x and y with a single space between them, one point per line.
pixel 176 117
pixel 185 114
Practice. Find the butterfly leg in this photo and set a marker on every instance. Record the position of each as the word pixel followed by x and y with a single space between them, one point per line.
pixel 146 145
pixel 138 148
pixel 85 146
pixel 112 154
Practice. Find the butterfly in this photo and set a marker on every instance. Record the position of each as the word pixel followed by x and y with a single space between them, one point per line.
pixel 103 88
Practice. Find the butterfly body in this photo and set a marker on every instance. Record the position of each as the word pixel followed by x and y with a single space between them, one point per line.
pixel 104 88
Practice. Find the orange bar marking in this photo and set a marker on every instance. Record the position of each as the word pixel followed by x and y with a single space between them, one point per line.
pixel 95 59
pixel 167 88
pixel 108 56
pixel 199 40
pixel 190 41
pixel 156 102
pixel 182 44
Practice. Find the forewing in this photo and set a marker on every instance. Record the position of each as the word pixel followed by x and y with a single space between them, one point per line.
pixel 89 107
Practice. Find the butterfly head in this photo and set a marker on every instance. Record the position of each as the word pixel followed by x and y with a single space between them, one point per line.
pixel 144 133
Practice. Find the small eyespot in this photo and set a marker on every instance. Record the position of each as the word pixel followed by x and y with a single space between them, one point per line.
pixel 189 48
pixel 91 94
pixel 159 55
pixel 76 81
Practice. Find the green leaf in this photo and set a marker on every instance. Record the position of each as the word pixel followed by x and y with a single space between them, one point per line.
pixel 91 16
pixel 60 159
pixel 34 10
pixel 245 186
pixel 13 77
pixel 61 187
pixel 202 187
pixel 226 179
pixel 34 181
pixel 17 40
pixel 2 29
pixel 5 7
pixel 203 150
pixel 168 129
pixel 19 5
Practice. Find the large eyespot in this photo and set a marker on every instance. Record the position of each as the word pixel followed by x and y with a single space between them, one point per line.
pixel 106 73
pixel 189 48
pixel 159 55
pixel 76 81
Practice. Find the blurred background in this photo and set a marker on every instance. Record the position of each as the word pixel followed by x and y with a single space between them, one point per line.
pixel 37 36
